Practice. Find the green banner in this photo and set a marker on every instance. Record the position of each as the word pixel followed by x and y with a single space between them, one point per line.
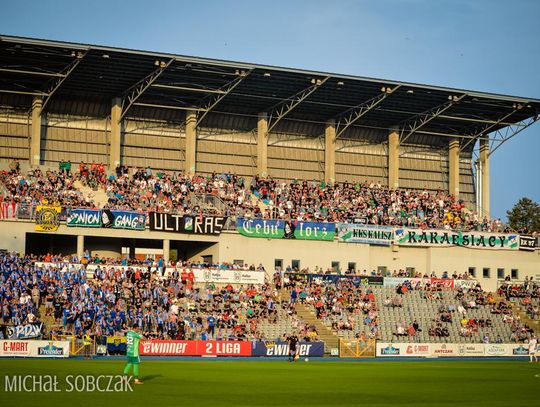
pixel 281 229
pixel 441 238
pixel 89 218
pixel 368 234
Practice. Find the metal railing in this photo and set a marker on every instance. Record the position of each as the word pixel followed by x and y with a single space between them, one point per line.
pixel 28 212
pixel 25 211
pixel 209 205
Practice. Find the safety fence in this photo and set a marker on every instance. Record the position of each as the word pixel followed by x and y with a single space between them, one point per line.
pixel 78 346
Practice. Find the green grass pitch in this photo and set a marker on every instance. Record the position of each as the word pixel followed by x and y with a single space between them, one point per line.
pixel 280 383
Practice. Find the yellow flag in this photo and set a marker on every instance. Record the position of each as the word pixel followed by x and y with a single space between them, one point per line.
pixel 47 218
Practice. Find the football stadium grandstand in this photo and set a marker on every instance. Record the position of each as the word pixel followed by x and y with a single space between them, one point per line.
pixel 210 200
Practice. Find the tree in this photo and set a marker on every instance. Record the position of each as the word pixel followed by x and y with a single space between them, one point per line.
pixel 525 215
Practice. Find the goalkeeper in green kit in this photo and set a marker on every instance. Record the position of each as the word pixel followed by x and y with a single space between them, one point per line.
pixel 132 352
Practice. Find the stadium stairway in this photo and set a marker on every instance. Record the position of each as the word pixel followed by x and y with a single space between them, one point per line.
pixel 518 310
pixel 326 334
pixel 99 196
pixel 48 320
pixel 256 201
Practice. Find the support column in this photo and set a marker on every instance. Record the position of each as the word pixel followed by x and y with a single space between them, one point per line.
pixel 116 133
pixel 35 140
pixel 453 167
pixel 191 142
pixel 484 175
pixel 393 159
pixel 80 246
pixel 262 145
pixel 166 250
pixel 131 254
pixel 330 152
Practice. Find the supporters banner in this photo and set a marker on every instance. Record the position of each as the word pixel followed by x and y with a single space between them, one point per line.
pixel 96 218
pixel 26 331
pixel 395 281
pixel 91 268
pixel 87 218
pixel 465 283
pixel 8 210
pixel 194 348
pixel 270 348
pixel 47 218
pixel 442 238
pixel 196 225
pixel 368 234
pixel 123 220
pixel 527 243
pixel 282 229
pixel 442 282
pixel 228 276
pixel 61 266
pixel 445 282
pixel 116 345
pixel 34 349
pixel 357 280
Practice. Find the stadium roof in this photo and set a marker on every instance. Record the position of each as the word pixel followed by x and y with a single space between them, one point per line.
pixel 83 79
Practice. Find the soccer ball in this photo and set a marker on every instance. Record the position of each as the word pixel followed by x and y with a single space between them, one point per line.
pixel 306 360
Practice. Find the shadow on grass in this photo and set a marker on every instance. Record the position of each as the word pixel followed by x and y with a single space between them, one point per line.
pixel 150 377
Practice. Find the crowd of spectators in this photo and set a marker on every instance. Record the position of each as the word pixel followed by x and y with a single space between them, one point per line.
pixel 92 175
pixel 117 298
pixel 369 202
pixel 20 291
pixel 114 299
pixel 36 187
pixel 526 294
pixel 407 331
pixel 171 305
pixel 337 303
pixel 146 189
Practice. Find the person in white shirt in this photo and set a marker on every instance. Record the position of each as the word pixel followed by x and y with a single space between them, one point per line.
pixel 461 309
pixel 533 343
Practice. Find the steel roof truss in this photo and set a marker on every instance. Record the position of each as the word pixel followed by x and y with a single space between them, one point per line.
pixel 282 109
pixel 354 114
pixel 136 91
pixel 225 90
pixel 57 82
pixel 501 136
pixel 187 89
pixel 158 106
pixel 22 92
pixel 411 126
pixel 26 72
pixel 486 129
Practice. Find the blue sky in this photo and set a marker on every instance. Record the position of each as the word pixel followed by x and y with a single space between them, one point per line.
pixel 484 45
